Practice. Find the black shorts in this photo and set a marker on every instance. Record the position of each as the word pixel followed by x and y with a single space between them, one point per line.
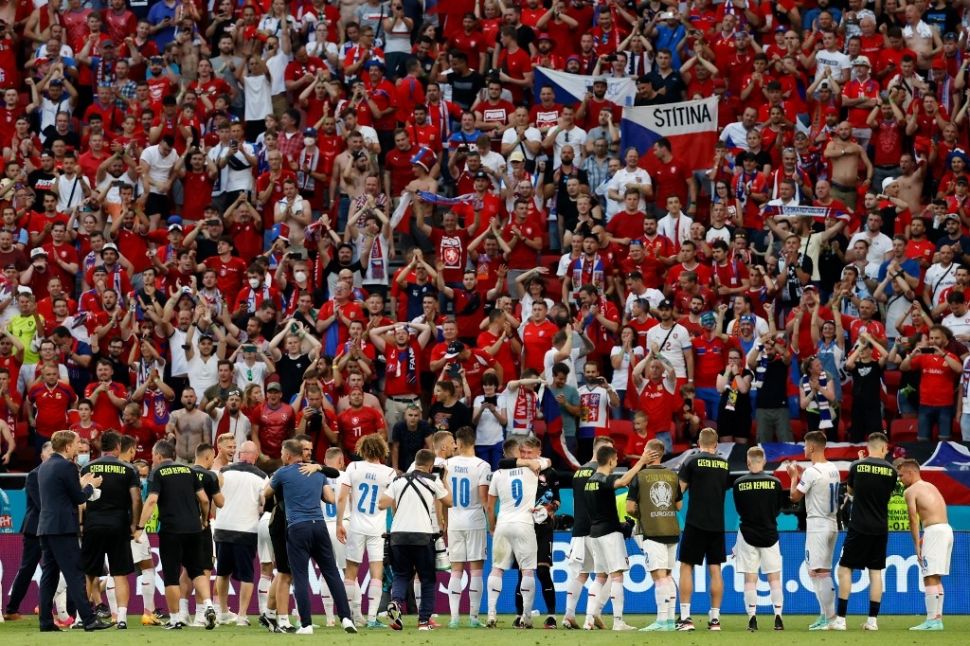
pixel 208 555
pixel 115 544
pixel 236 560
pixel 277 537
pixel 544 542
pixel 864 551
pixel 176 551
pixel 698 545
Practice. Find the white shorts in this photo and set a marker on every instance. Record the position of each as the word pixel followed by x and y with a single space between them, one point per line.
pixel 141 550
pixel 514 542
pixel 357 544
pixel 339 549
pixel 659 556
pixel 466 545
pixel 749 559
pixel 264 546
pixel 937 548
pixel 820 549
pixel 609 553
pixel 580 553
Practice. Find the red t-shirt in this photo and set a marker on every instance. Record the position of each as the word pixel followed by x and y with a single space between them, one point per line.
pixel 51 406
pixel 398 164
pixel 504 357
pixel 403 373
pixel 105 413
pixel 229 274
pixel 355 423
pixel 452 251
pixel 146 434
pixel 522 256
pixel 710 357
pixel 937 382
pixel 658 403
pixel 536 341
pixel 275 426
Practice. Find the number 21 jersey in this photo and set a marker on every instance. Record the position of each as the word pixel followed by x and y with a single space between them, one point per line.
pixel 367 483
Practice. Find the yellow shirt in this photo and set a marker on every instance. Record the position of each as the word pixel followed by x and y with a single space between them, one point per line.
pixel 25 328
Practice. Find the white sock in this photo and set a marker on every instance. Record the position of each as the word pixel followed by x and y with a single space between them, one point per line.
pixel 685 611
pixel 494 592
pixel 939 601
pixel 573 591
pixel 714 613
pixel 327 598
pixel 60 599
pixel 184 609
pixel 475 588
pixel 605 595
pixel 416 585
pixel 660 596
pixel 109 591
pixel 751 598
pixel 206 604
pixel 353 595
pixel 777 597
pixel 593 602
pixel 825 589
pixel 454 594
pixel 122 614
pixel 616 596
pixel 373 599
pixel 528 589
pixel 148 590
pixel 671 598
pixel 271 613
pixel 262 590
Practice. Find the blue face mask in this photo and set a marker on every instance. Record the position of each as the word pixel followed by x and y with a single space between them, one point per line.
pixel 82 459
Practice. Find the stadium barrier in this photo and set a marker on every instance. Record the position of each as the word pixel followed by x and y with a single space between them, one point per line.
pixel 903 584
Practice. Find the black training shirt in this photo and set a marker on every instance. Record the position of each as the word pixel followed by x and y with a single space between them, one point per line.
pixel 600 501
pixel 706 475
pixel 178 506
pixel 113 509
pixel 580 516
pixel 872 481
pixel 758 498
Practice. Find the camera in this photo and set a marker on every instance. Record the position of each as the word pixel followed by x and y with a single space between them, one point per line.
pixel 927 350
pixel 493 400
pixel 454 370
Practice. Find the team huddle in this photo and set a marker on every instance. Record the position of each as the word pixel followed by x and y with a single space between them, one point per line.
pixel 220 514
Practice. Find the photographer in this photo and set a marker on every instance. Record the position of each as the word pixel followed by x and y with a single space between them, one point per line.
pixel 411 498
pixel 770 358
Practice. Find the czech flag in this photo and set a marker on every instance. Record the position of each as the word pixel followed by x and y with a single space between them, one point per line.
pixel 571 88
pixel 552 416
pixel 690 126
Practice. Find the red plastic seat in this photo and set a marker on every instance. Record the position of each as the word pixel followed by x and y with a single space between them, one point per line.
pixel 798 429
pixel 903 430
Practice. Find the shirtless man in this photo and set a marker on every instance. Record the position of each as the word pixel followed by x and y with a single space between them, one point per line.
pixel 422 181
pixel 921 38
pixel 910 183
pixel 927 507
pixel 846 155
pixel 350 169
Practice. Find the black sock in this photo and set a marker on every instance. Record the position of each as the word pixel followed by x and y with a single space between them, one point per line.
pixel 874 608
pixel 548 589
pixel 518 595
pixel 843 607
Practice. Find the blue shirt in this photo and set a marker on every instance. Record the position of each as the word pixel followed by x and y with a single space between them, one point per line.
pixel 909 266
pixel 159 12
pixel 303 494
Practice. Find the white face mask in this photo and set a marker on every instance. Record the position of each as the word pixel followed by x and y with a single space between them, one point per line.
pixel 300 276
pixel 254 283
pixel 309 141
pixel 82 459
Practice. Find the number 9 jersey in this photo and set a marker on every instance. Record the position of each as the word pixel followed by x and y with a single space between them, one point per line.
pixel 516 491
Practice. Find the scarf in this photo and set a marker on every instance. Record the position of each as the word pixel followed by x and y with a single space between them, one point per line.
pixel 524 412
pixel 824 409
pixel 409 355
pixel 309 161
pixel 759 372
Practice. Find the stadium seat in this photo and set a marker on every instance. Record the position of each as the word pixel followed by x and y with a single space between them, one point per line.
pixel 891 379
pixel 551 261
pixel 798 429
pixel 903 430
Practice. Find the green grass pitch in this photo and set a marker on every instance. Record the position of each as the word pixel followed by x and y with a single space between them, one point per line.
pixel 892 630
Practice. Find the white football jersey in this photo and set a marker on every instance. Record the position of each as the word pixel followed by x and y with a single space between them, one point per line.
pixel 466 474
pixel 330 509
pixel 820 485
pixel 367 483
pixel 516 493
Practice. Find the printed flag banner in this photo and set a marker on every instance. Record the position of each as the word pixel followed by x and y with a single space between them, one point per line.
pixel 817 213
pixel 691 127
pixel 571 88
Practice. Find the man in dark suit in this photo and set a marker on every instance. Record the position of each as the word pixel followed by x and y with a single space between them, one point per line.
pixel 30 555
pixel 61 491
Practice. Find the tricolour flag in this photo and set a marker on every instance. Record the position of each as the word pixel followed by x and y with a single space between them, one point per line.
pixel 691 127
pixel 552 416
pixel 571 88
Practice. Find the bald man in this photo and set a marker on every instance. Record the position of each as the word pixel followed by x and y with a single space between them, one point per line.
pixel 235 530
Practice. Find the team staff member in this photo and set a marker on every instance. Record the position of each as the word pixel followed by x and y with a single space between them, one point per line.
pixel 109 522
pixel 60 494
pixel 705 474
pixel 30 552
pixel 412 499
pixel 871 483
pixel 758 497
pixel 654 499
pixel 817 484
pixel 235 529
pixel 605 533
pixel 927 506
pixel 205 455
pixel 183 511
pixel 579 561
pixel 306 531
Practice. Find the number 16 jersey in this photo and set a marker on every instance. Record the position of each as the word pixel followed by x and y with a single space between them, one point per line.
pixel 820 485
pixel 366 482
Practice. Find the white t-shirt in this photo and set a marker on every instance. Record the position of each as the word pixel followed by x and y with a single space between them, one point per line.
pixel 959 325
pixel 203 372
pixel 489 430
pixel 594 407
pixel 516 493
pixel 242 486
pixel 246 374
pixel 836 61
pixel 549 360
pixel 467 474
pixel 530 134
pixel 366 482
pixel 415 514
pixel 879 246
pixel 618 184
pixel 938 278
pixel 673 350
pixel 965 384
pixel 653 296
pixel 820 485
pixel 159 167
pixel 277 69
pixel 621 374
pixel 575 138
pixel 240 427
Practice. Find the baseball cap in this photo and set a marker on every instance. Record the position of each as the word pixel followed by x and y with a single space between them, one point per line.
pixel 747 318
pixel 175 227
pixel 950 36
pixel 481 175
pixel 23 289
pixel 665 304
pixel 310 132
pixel 369 64
pixel 862 61
pixel 887 182
pixel 109 246
pixel 948 216
pixel 99 269
pixel 274 385
pixel 667 15
pixel 107 43
pixel 938 64
pixel 516 156
pixel 37 251
pixel 831 111
pixel 809 287
pixel 234 391
pixel 174 219
pixel 544 36
pixel 600 79
pixel 454 349
pixel 56 82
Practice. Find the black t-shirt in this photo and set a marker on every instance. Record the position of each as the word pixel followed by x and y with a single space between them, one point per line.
pixel 449 418
pixel 673 83
pixel 706 475
pixel 872 481
pixel 580 515
pixel 758 498
pixel 464 89
pixel 113 509
pixel 291 371
pixel 178 506
pixel 41 182
pixel 410 442
pixel 209 481
pixel 600 501
pixel 866 381
pixel 774 389
pixel 415 296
